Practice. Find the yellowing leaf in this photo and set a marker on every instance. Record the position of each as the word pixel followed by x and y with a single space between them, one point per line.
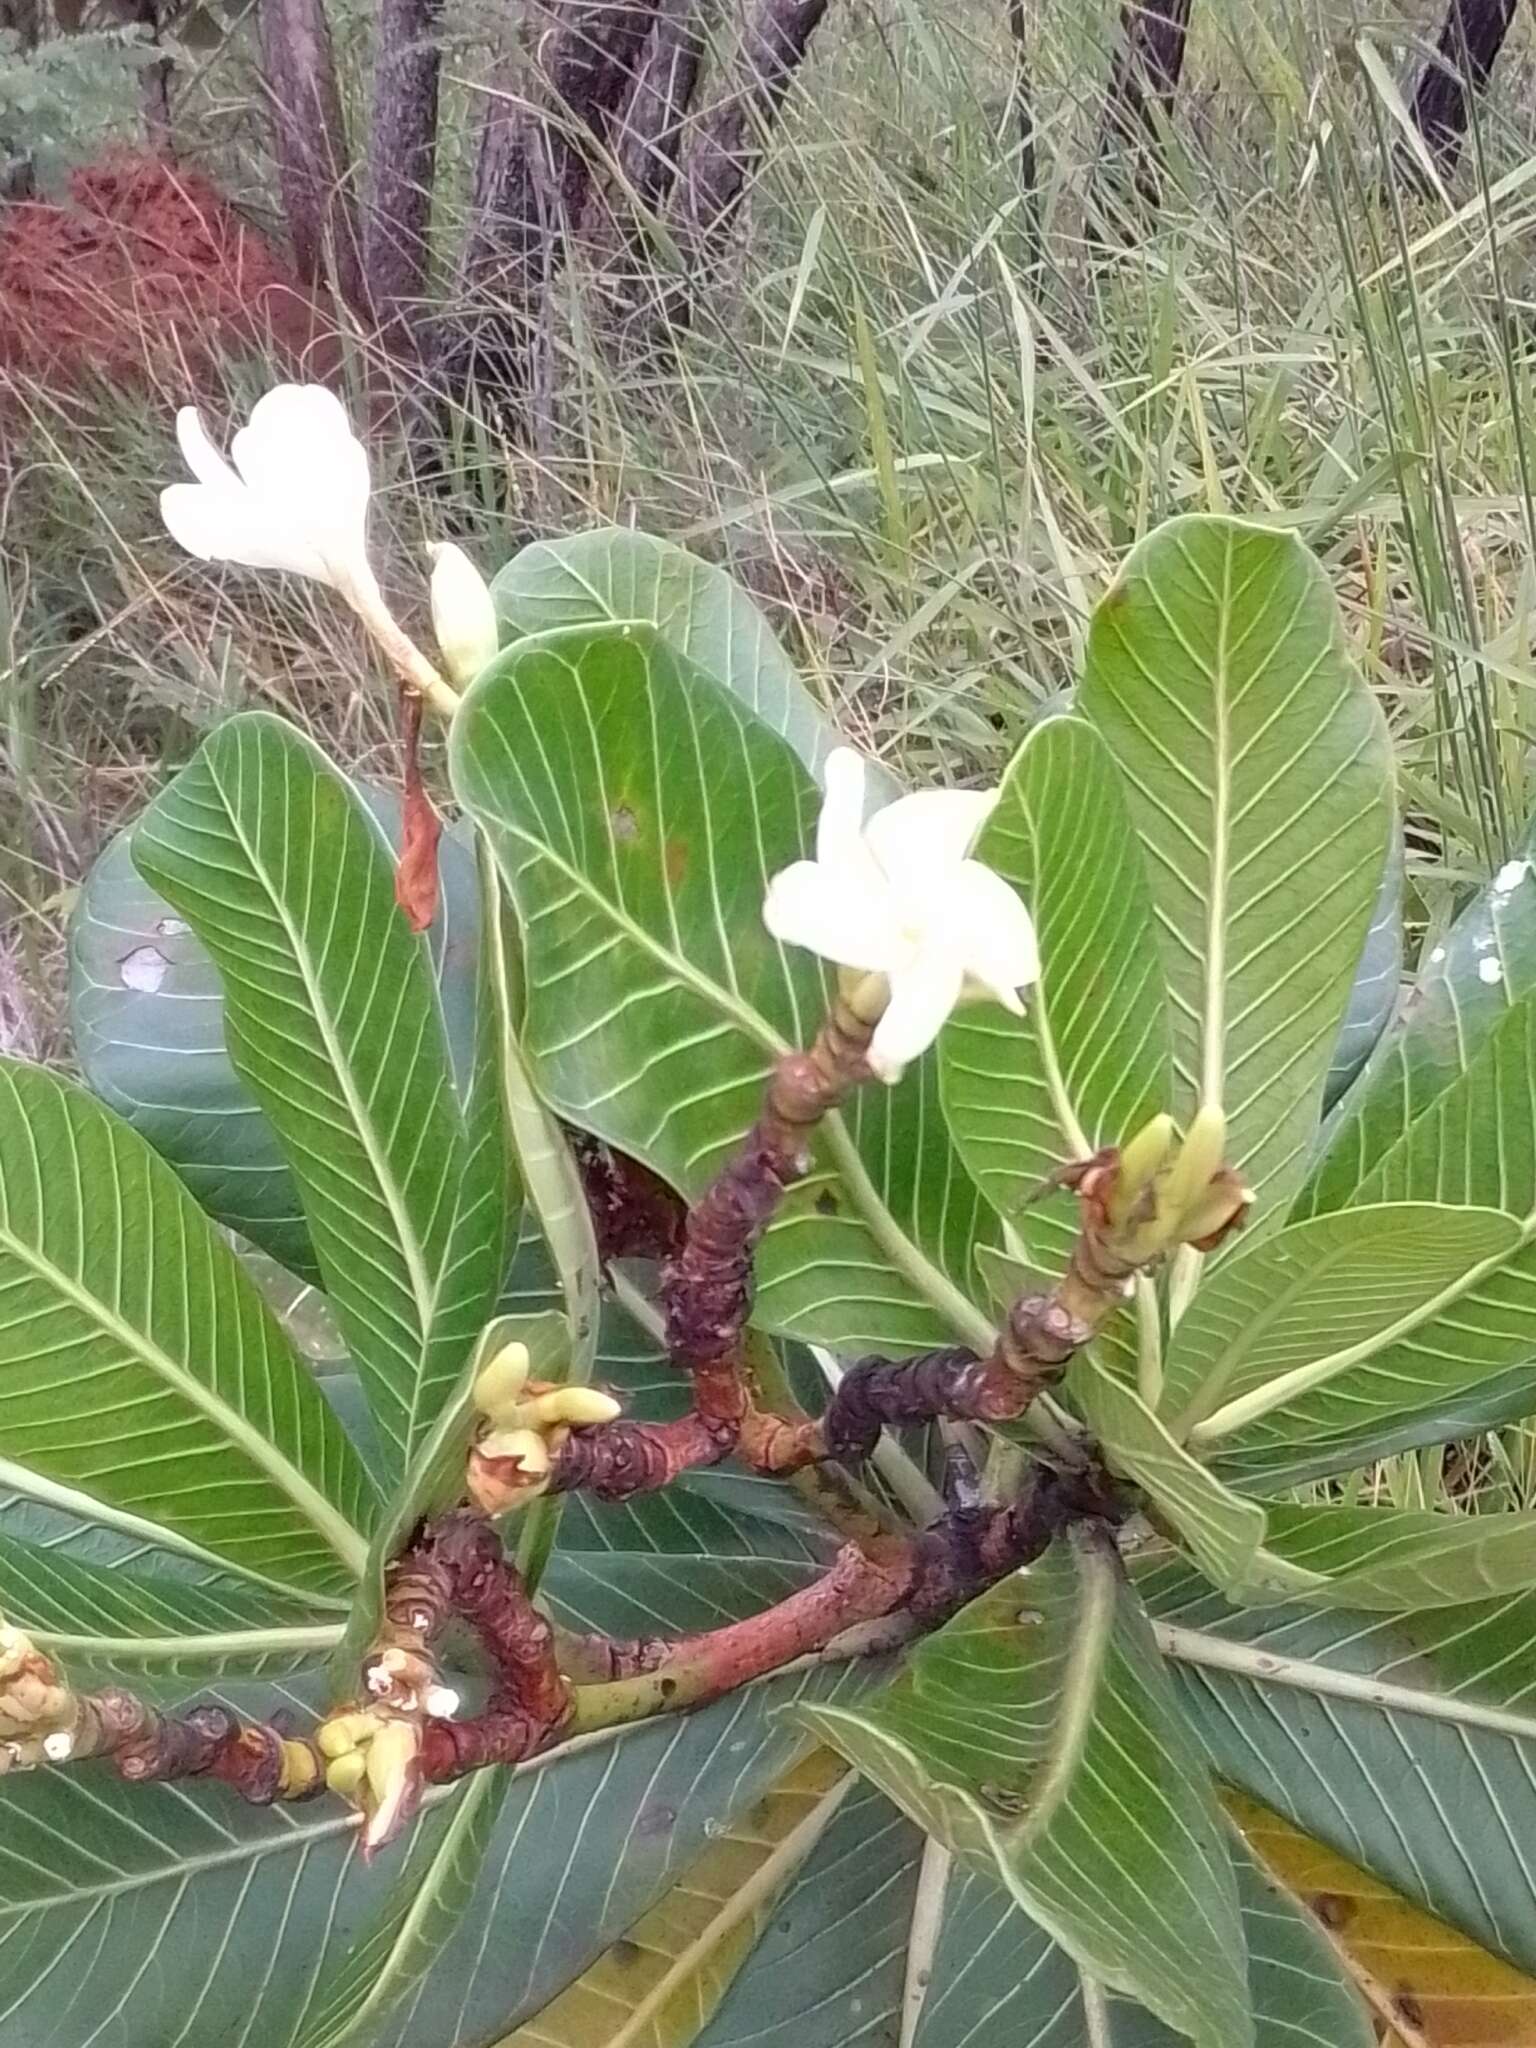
pixel 660 1985
pixel 1431 1986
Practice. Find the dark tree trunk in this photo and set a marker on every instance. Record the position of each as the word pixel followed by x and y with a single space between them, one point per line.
pixel 1470 40
pixel 18 177
pixel 1024 99
pixel 402 159
pixel 155 85
pixel 533 177
pixel 1144 81
pixel 647 142
pixel 310 138
pixel 650 129
pixel 731 132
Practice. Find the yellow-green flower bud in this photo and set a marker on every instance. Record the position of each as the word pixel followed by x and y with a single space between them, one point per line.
pixel 579 1407
pixel 1198 1161
pixel 343 1734
pixel 344 1775
pixel 463 613
pixel 1142 1159
pixel 500 1383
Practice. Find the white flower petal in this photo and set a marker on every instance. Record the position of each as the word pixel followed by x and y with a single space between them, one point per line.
pixel 919 836
pixel 922 996
pixel 992 932
pixel 831 913
pixel 199 453
pixel 840 828
pixel 227 526
pixel 299 454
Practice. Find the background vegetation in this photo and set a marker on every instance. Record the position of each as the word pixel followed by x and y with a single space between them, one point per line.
pixel 922 417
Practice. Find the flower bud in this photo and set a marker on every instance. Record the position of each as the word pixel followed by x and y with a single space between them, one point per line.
pixel 393 1772
pixel 1198 1161
pixel 342 1734
pixel 1142 1159
pixel 463 613
pixel 344 1775
pixel 580 1407
pixel 499 1386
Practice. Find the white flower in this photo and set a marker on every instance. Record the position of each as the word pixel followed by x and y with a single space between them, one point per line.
pixel 463 613
pixel 899 897
pixel 296 498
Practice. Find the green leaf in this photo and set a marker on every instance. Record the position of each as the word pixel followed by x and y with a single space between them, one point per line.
pixel 996 1977
pixel 139 1364
pixel 1223 1533
pixel 1089 1063
pixel 1257 767
pixel 1474 1144
pixel 208 1920
pixel 1403 1742
pixel 333 1021
pixel 659 1986
pixel 443 1865
pixel 1304 1308
pixel 636 814
pixel 1404 1559
pixel 1485 967
pixel 111 1626
pixel 147 1017
pixel 1041 1741
pixel 1373 993
pixel 614 576
pixel 830 1968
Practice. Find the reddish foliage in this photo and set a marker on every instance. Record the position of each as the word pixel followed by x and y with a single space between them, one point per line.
pixel 149 274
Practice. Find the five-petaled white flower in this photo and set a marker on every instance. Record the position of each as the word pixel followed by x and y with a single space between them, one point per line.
pixel 296 498
pixel 899 897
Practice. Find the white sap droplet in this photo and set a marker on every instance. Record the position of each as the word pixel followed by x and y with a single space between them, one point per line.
pixel 1511 875
pixel 143 969
pixel 1437 956
pixel 172 927
pixel 442 1701
pixel 1490 971
pixel 1482 942
pixel 58 1748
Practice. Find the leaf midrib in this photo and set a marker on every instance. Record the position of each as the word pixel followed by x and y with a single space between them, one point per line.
pixel 1251 1407
pixel 424 1289
pixel 156 1649
pixel 1099 1588
pixel 322 1516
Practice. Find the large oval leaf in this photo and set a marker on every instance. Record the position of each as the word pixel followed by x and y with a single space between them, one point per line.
pixel 637 814
pixel 1037 1735
pixel 1309 1305
pixel 1408 1743
pixel 138 1362
pixel 147 1015
pixel 1485 966
pixel 208 1920
pixel 1257 767
pixel 1089 1062
pixel 333 1021
pixel 615 575
pixel 1475 1143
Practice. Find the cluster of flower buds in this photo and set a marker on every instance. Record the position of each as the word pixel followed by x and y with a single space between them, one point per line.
pixel 37 1708
pixel 525 1423
pixel 1161 1194
pixel 374 1760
